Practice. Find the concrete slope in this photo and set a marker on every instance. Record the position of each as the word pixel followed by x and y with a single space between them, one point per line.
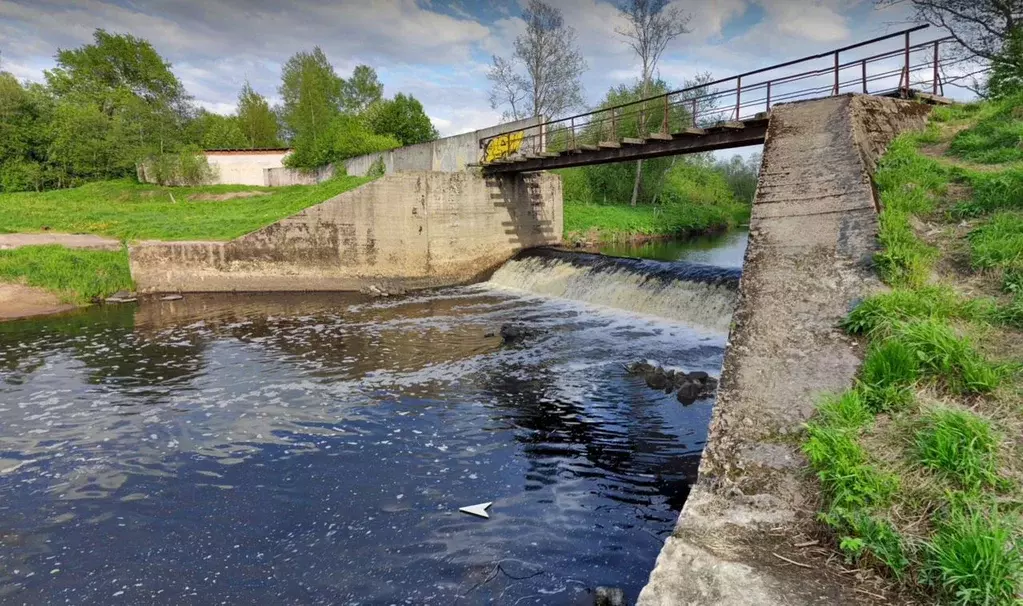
pixel 812 235
pixel 402 231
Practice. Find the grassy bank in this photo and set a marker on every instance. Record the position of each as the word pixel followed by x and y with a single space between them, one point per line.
pixel 76 276
pixel 921 463
pixel 691 198
pixel 132 211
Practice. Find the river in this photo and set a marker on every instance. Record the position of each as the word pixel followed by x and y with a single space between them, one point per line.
pixel 315 448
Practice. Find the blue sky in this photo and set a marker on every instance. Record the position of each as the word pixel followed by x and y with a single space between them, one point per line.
pixel 437 50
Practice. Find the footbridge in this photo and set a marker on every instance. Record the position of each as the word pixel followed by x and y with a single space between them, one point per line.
pixel 726 113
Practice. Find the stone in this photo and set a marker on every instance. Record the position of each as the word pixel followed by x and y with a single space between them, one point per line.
pixel 121 296
pixel 689 393
pixel 698 375
pixel 171 298
pixel 657 380
pixel 609 596
pixel 639 368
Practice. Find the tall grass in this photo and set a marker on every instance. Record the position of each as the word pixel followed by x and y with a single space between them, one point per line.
pixel 77 276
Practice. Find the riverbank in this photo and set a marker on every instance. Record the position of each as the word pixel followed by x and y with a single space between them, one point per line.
pixel 591 224
pixel 920 463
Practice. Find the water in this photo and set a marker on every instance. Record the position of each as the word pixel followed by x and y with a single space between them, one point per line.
pixel 722 250
pixel 314 449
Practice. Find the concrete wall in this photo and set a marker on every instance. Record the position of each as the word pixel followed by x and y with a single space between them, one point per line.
pixel 812 237
pixel 279 177
pixel 244 167
pixel 450 154
pixel 403 231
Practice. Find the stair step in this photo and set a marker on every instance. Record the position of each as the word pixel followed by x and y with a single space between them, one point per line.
pixel 633 141
pixel 690 131
pixel 609 145
pixel 659 137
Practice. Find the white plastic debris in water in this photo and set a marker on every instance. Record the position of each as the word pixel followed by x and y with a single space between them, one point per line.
pixel 477 510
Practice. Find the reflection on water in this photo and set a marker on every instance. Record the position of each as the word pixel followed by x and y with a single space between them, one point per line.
pixel 722 250
pixel 315 450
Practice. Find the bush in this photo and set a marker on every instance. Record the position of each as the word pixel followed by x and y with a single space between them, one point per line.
pixel 187 167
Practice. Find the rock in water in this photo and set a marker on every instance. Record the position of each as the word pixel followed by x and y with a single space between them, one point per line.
pixel 639 368
pixel 609 596
pixel 657 380
pixel 121 296
pixel 698 375
pixel 689 393
pixel 171 298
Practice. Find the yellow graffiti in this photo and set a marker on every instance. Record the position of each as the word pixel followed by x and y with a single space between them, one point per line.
pixel 503 146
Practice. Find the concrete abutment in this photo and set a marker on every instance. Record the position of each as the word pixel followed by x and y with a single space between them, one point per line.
pixel 403 231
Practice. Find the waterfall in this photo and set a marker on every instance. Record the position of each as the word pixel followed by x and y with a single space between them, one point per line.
pixel 700 295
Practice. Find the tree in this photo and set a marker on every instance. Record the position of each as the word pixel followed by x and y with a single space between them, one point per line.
pixel 1006 77
pixel 982 27
pixel 548 84
pixel 311 93
pixel 215 131
pixel 361 90
pixel 257 122
pixel 24 113
pixel 651 26
pixel 130 83
pixel 403 118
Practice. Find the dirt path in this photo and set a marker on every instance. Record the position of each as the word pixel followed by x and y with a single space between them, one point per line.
pixel 18 301
pixel 90 241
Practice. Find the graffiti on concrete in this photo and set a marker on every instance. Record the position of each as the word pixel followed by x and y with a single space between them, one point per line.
pixel 502 146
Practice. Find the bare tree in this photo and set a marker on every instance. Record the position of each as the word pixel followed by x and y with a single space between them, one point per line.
pixel 981 26
pixel 548 84
pixel 651 26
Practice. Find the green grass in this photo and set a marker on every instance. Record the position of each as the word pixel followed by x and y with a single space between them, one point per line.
pixel 975 560
pixel 612 222
pixel 959 445
pixel 996 137
pixel 131 211
pixel 908 478
pixel 77 276
pixel 998 242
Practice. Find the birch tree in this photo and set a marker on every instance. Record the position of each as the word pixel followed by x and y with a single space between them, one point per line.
pixel 542 77
pixel 650 26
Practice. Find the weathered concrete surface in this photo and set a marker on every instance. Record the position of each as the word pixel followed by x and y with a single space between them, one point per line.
pixel 86 241
pixel 450 154
pixel 403 231
pixel 812 235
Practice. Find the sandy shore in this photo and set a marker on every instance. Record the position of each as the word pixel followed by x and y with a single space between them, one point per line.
pixel 18 301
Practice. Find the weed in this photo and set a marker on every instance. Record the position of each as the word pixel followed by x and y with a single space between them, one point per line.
pixel 998 242
pixel 949 357
pixel 905 259
pixel 975 559
pixel 845 410
pixel 889 372
pixel 991 192
pixel 995 138
pixel 848 480
pixel 881 313
pixel 958 445
pixel 873 539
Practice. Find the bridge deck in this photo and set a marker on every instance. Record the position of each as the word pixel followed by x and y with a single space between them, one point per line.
pixel 689 141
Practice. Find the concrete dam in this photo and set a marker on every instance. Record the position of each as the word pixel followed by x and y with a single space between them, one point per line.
pixel 812 236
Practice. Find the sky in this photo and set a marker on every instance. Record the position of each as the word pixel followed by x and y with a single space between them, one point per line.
pixel 437 50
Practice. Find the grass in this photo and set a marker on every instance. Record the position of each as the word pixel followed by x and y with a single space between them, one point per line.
pixel 919 463
pixel 959 445
pixel 77 276
pixel 615 222
pixel 131 211
pixel 996 137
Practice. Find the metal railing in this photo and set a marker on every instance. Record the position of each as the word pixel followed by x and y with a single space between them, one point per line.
pixel 918 66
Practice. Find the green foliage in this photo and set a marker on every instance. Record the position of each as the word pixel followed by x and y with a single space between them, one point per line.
pixel 312 93
pixel 844 411
pixel 996 138
pixel 256 121
pixel 214 131
pixel 881 313
pixel 187 167
pixel 889 372
pixel 575 186
pixel 959 445
pixel 402 118
pixel 351 137
pixel 975 558
pixel 848 480
pixel 905 259
pixel 377 169
pixel 362 90
pixel 77 276
pixel 949 357
pixel 991 192
pixel 1006 78
pixel 132 211
pixel 998 242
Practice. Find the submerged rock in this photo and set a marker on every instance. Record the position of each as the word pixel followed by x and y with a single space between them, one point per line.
pixel 689 393
pixel 609 596
pixel 121 296
pixel 516 333
pixel 639 368
pixel 171 298
pixel 691 386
